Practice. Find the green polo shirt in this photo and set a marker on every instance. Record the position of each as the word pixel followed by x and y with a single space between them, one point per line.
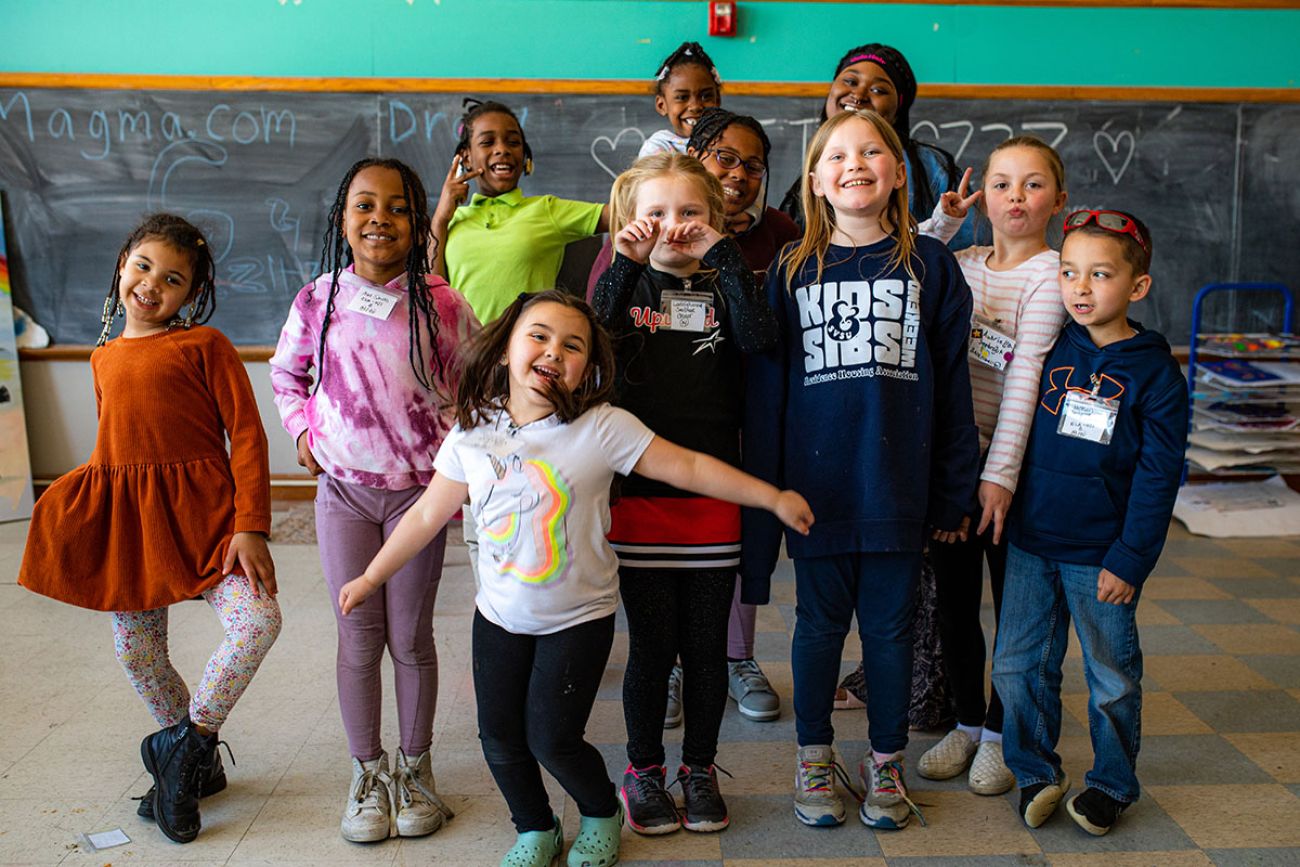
pixel 498 247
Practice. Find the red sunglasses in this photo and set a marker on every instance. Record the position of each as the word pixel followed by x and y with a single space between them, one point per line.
pixel 1111 221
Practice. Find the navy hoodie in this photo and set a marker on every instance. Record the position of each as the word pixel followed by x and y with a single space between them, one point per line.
pixel 865 409
pixel 1104 505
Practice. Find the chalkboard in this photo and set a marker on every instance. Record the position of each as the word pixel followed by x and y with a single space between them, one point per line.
pixel 1218 183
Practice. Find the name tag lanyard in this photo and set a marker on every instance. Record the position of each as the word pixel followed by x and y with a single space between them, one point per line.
pixel 1088 416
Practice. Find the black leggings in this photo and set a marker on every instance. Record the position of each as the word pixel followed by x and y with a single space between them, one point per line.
pixel 959 585
pixel 535 694
pixel 671 613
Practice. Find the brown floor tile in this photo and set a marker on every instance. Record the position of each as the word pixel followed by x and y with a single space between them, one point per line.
pixel 805 862
pixel 1157 587
pixel 1261 547
pixel 1223 567
pixel 1277 753
pixel 960 825
pixel 1202 673
pixel 1242 639
pixel 1281 610
pixel 1150 613
pixel 1243 816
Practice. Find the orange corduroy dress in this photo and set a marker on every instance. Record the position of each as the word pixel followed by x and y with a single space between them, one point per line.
pixel 146 522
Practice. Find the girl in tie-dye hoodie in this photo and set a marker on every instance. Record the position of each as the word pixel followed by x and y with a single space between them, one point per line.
pixel 361 370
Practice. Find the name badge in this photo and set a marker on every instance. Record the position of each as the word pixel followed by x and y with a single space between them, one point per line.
pixel 375 303
pixel 687 311
pixel 1088 417
pixel 990 346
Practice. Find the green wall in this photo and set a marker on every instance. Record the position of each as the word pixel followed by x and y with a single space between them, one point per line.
pixel 779 41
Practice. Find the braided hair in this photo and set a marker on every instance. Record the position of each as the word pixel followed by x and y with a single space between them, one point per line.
pixel 713 122
pixel 183 236
pixel 687 53
pixel 474 109
pixel 336 255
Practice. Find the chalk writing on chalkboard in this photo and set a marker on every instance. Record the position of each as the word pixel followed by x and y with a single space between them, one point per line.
pixel 258 171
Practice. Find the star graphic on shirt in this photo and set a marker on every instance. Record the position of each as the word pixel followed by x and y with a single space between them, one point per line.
pixel 710 343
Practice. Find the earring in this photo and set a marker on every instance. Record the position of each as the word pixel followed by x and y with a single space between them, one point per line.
pixel 528 166
pixel 189 317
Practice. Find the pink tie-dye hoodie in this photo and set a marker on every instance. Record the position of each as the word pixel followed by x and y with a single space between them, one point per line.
pixel 370 422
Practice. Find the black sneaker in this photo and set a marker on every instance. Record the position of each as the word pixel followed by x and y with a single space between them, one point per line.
pixel 1039 801
pixel 650 809
pixel 1094 811
pixel 705 810
pixel 212 776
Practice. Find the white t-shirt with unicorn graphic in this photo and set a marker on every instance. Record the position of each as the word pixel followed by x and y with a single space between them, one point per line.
pixel 539 495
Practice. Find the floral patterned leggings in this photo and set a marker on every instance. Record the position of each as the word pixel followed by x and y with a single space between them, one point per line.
pixel 140 640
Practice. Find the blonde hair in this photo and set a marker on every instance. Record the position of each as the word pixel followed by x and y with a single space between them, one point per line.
pixel 622 195
pixel 1033 143
pixel 819 216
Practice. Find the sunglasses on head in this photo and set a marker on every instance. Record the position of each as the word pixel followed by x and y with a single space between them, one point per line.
pixel 1111 221
pixel 728 160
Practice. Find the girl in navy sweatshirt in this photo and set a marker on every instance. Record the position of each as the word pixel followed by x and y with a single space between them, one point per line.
pixel 866 408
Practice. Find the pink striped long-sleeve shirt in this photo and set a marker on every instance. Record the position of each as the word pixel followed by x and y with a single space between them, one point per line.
pixel 370 422
pixel 1025 304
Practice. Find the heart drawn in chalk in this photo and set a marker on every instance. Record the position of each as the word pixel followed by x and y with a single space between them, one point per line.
pixel 1117 154
pixel 611 145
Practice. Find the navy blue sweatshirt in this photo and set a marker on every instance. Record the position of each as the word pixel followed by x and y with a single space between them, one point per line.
pixel 865 409
pixel 1104 505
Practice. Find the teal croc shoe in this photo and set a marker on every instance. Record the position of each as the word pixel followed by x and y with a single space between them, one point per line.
pixel 536 849
pixel 597 842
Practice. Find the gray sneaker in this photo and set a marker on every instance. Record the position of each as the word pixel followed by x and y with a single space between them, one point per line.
pixel 368 816
pixel 673 713
pixel 749 688
pixel 815 800
pixel 886 806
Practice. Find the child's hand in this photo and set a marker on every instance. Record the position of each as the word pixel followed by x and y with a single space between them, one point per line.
pixel 637 240
pixel 455 189
pixel 692 238
pixel 354 593
pixel 305 457
pixel 1114 589
pixel 950 536
pixel 251 552
pixel 956 204
pixel 794 512
pixel 995 500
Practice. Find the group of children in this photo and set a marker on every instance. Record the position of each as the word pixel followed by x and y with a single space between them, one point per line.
pixel 648 446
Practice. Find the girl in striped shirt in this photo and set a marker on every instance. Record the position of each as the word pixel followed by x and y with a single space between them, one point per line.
pixel 1016 316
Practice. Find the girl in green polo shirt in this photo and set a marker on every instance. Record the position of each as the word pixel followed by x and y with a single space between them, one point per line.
pixel 502 242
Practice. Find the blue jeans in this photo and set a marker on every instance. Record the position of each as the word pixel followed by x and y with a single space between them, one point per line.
pixel 1038 600
pixel 881 588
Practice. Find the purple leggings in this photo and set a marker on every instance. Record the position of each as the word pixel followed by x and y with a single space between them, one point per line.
pixel 352 522
pixel 740 629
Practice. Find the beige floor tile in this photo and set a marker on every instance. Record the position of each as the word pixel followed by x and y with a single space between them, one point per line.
pixel 1151 614
pixel 478 836
pixel 768 618
pixel 226 818
pixel 1258 816
pixel 1281 610
pixel 1241 639
pixel 1131 859
pixel 1162 714
pixel 306 828
pixel 960 825
pixel 768 768
pixel 45 830
pixel 782 592
pixel 1223 567
pixel 1278 754
pixel 1202 673
pixel 682 847
pixel 1158 587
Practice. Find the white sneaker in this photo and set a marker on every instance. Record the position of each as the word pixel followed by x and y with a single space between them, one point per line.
pixel 673 710
pixel 989 774
pixel 815 800
pixel 949 757
pixel 886 806
pixel 419 809
pixel 368 816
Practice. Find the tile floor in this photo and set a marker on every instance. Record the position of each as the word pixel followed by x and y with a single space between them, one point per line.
pixel 1220 758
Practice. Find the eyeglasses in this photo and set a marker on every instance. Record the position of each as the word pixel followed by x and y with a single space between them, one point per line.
pixel 1111 221
pixel 729 160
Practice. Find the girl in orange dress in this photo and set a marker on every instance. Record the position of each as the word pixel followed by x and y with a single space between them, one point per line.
pixel 163 513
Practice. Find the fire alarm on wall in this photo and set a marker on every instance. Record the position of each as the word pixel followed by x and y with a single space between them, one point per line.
pixel 722 18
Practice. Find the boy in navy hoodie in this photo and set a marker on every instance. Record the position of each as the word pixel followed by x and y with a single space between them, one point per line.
pixel 1096 493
